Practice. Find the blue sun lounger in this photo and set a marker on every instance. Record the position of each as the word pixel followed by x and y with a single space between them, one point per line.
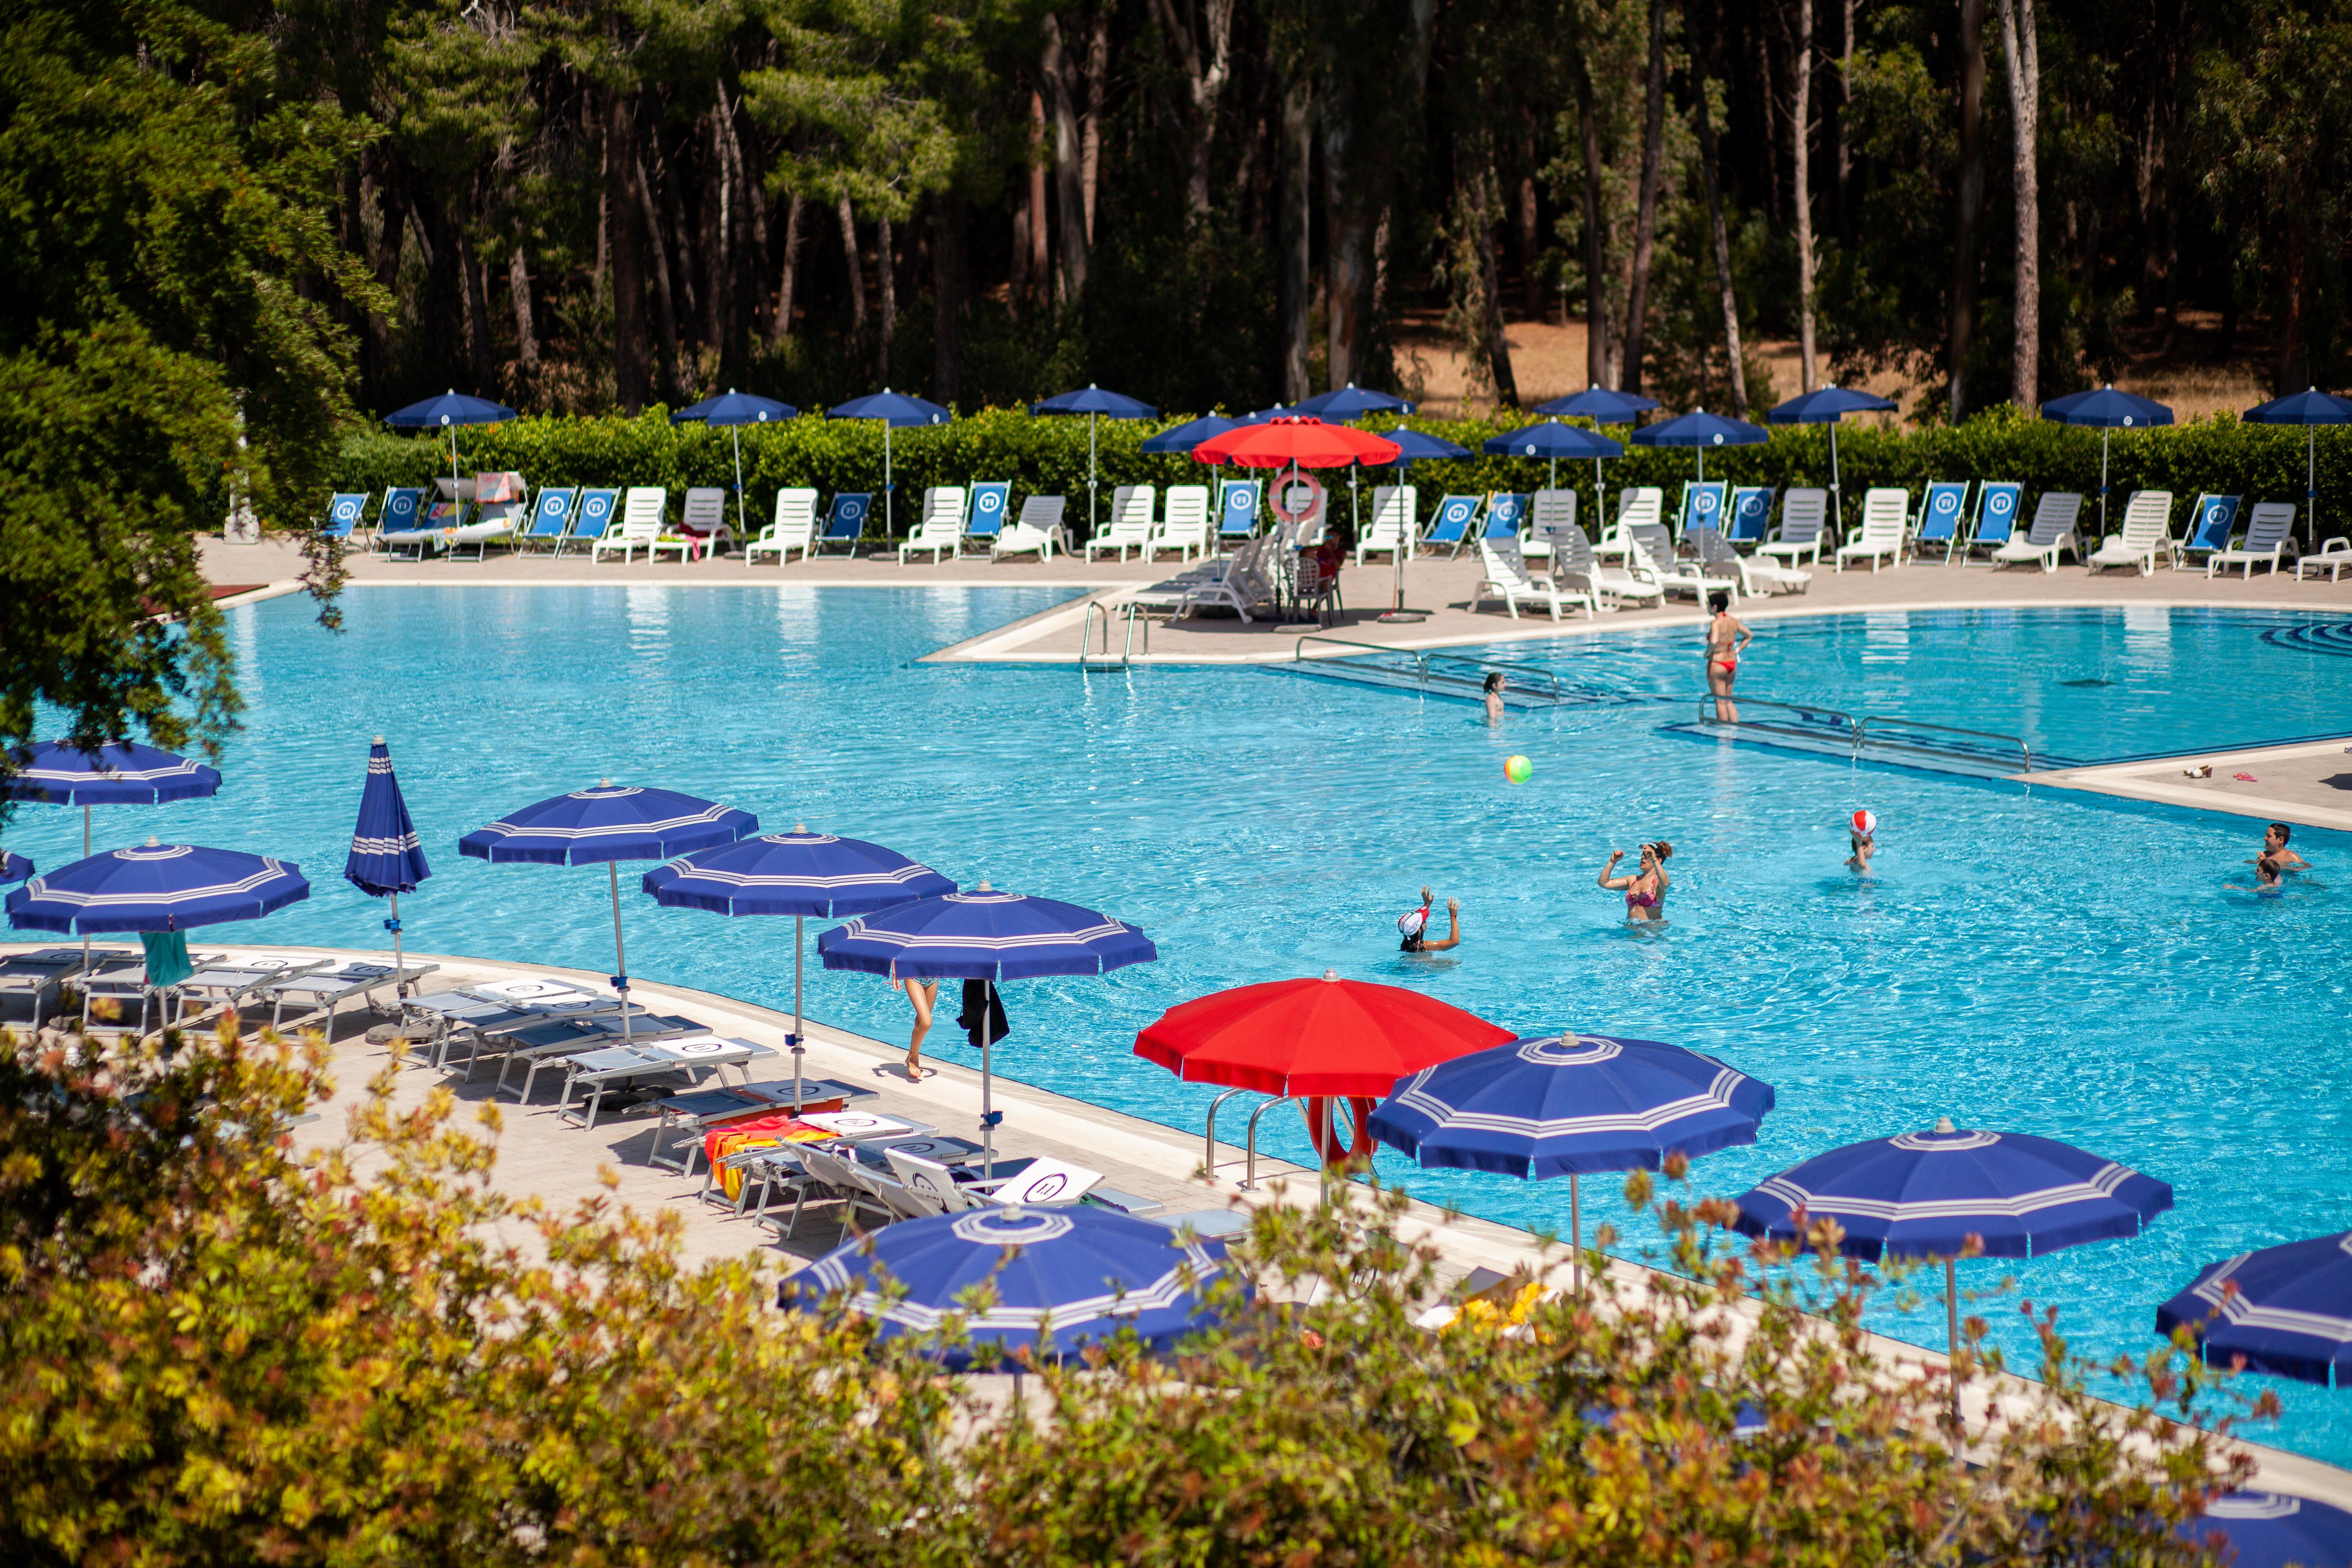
pixel 1997 505
pixel 1751 515
pixel 596 515
pixel 985 521
pixel 551 519
pixel 403 504
pixel 1506 513
pixel 845 524
pixel 1703 506
pixel 2214 519
pixel 343 514
pixel 1943 515
pixel 1450 527
pixel 1237 506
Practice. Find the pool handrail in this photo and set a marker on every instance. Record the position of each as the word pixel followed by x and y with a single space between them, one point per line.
pixel 1423 659
pixel 1249 1178
pixel 1857 727
pixel 1208 1148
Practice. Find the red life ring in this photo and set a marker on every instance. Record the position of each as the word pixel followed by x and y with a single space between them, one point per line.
pixel 1278 503
pixel 1323 1129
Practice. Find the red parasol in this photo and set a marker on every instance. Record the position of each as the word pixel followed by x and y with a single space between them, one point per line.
pixel 1318 1038
pixel 1297 440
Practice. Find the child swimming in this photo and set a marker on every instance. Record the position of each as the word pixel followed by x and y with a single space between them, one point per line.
pixel 1862 842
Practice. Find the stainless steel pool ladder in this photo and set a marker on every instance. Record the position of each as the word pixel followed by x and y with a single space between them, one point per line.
pixel 1857 727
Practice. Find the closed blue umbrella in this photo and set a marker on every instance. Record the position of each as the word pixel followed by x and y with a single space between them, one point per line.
pixel 609 824
pixel 2311 409
pixel 1095 402
pixel 2109 411
pixel 1925 1195
pixel 735 409
pixel 1562 1105
pixel 1060 1277
pixel 897 410
pixel 1554 440
pixel 386 859
pixel 14 867
pixel 447 412
pixel 984 935
pixel 1350 402
pixel 1700 429
pixel 1828 405
pixel 156 888
pixel 1180 440
pixel 798 874
pixel 1601 405
pixel 2271 1529
pixel 2286 1310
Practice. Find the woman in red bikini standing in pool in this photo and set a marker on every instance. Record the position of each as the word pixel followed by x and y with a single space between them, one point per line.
pixel 1645 893
pixel 1726 637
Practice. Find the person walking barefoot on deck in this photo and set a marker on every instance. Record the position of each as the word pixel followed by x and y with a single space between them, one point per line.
pixel 924 994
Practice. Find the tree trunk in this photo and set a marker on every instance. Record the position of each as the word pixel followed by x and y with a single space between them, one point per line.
pixel 1090 126
pixel 1298 159
pixel 1970 201
pixel 886 268
pixel 1069 171
pixel 1498 346
pixel 626 250
pixel 947 296
pixel 1766 102
pixel 1800 173
pixel 1530 277
pixel 2022 53
pixel 1596 245
pixel 665 301
pixel 856 270
pixel 781 327
pixel 1347 274
pixel 481 351
pixel 2294 271
pixel 1645 218
pixel 1707 177
pixel 1207 66
pixel 519 289
pixel 751 267
pixel 1040 261
pixel 1845 129
pixel 717 215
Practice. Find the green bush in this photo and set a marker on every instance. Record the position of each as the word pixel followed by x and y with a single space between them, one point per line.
pixel 1048 456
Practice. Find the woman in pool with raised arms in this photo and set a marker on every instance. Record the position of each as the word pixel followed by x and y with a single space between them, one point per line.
pixel 1645 892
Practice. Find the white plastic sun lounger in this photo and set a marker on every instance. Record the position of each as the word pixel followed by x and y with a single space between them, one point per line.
pixel 2147 534
pixel 1574 563
pixel 1885 515
pixel 1183 524
pixel 1240 583
pixel 1038 530
pixel 622 1068
pixel 940 531
pixel 701 530
pixel 44 972
pixel 1654 557
pixel 2052 532
pixel 642 510
pixel 1507 578
pixel 334 985
pixel 794 527
pixel 1805 519
pixel 2270 535
pixel 1392 527
pixel 1757 578
pixel 1553 513
pixel 1130 521
pixel 2331 558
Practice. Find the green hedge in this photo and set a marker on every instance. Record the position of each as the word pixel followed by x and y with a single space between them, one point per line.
pixel 1049 456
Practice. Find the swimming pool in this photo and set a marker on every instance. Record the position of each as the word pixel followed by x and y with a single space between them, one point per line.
pixel 2042 961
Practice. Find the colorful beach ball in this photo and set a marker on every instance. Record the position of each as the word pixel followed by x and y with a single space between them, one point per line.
pixel 1518 769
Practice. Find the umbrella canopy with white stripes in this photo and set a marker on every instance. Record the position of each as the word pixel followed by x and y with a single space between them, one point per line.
pixel 156 888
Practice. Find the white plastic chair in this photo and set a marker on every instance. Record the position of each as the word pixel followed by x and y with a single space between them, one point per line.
pixel 2052 532
pixel 642 510
pixel 1130 521
pixel 1183 524
pixel 1885 514
pixel 1037 528
pixel 1553 513
pixel 2147 534
pixel 701 528
pixel 1394 508
pixel 2270 535
pixel 1507 578
pixel 940 531
pixel 1805 519
pixel 794 527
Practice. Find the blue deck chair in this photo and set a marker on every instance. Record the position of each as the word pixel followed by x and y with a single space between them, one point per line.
pixel 1452 526
pixel 1703 506
pixel 343 514
pixel 1943 511
pixel 401 503
pixel 426 534
pixel 2216 519
pixel 551 519
pixel 1237 510
pixel 985 521
pixel 1505 515
pixel 1997 504
pixel 1751 515
pixel 597 510
pixel 845 524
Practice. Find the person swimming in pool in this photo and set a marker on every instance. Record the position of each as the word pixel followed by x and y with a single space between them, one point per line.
pixel 1645 891
pixel 2274 848
pixel 1728 637
pixel 1862 842
pixel 2266 879
pixel 1414 926
pixel 1494 697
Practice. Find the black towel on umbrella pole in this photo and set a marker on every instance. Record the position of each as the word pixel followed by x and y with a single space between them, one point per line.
pixel 983 1001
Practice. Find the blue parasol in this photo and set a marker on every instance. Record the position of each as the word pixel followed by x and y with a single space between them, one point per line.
pixel 1180 440
pixel 609 824
pixel 2271 1529
pixel 984 935
pixel 447 412
pixel 1059 1276
pixel 1601 405
pixel 735 409
pixel 1350 402
pixel 1701 429
pixel 122 773
pixel 2109 411
pixel 1927 1194
pixel 897 410
pixel 1092 401
pixel 1828 405
pixel 157 887
pixel 798 874
pixel 14 867
pixel 2310 409
pixel 1417 446
pixel 1555 440
pixel 2286 1310
pixel 386 860
pixel 1562 1105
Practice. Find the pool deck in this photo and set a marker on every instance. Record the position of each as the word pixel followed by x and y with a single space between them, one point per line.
pixel 542 1154
pixel 2308 784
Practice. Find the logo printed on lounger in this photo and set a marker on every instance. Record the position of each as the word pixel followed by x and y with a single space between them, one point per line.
pixel 1457 512
pixel 1947 502
pixel 989 501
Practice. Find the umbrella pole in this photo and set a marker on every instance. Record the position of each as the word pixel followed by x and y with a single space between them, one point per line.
pixel 620 958
pixel 1092 523
pixel 1952 1326
pixel 987 1112
pixel 1576 1231
pixel 2311 484
pixel 399 962
pixel 889 519
pixel 85 855
pixel 798 1049
pixel 2102 483
pixel 738 433
pixel 1600 499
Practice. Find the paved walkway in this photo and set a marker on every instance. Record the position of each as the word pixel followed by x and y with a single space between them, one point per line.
pixel 2309 783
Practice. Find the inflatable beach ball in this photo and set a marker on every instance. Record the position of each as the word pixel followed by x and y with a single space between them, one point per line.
pixel 1518 769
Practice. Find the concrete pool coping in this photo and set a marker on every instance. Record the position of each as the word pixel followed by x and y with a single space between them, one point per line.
pixel 540 1154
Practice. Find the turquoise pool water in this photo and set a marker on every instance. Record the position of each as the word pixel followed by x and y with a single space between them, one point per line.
pixel 2041 961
